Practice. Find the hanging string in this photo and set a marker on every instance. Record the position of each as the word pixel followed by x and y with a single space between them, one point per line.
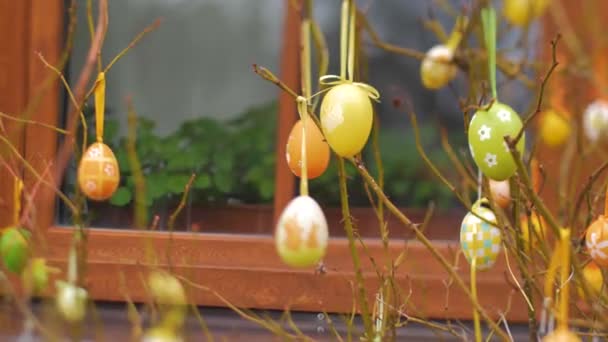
pixel 352 18
pixel 17 191
pixel 303 111
pixel 100 102
pixel 457 34
pixel 565 282
pixel 476 320
pixel 488 20
pixel 347 56
pixel 479 180
pixel 344 38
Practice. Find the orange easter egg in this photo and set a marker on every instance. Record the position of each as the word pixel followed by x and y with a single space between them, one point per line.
pixel 98 172
pixel 317 150
pixel 501 192
pixel 596 240
pixel 561 335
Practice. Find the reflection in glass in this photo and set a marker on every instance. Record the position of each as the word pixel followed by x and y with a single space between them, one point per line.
pixel 200 110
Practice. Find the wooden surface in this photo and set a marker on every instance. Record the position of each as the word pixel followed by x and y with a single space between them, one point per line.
pixel 14 25
pixel 45 37
pixel 246 270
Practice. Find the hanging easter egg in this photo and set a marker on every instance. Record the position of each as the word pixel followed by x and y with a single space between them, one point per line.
pixel 595 120
pixel 522 12
pixel 478 238
pixel 15 248
pixel 486 140
pixel 437 68
pixel 593 278
pixel 346 118
pixel 161 334
pixel 554 128
pixel 531 237
pixel 596 240
pixel 98 172
pixel 317 150
pixel 36 275
pixel 71 301
pixel 500 192
pixel 561 335
pixel 301 234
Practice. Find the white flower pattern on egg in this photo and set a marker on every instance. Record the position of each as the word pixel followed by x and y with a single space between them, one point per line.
pixel 595 248
pixel 108 169
pixel 94 152
pixel 490 160
pixel 484 133
pixel 90 185
pixel 504 115
pixel 333 119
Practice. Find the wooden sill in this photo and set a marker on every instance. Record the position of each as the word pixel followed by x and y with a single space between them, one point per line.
pixel 246 271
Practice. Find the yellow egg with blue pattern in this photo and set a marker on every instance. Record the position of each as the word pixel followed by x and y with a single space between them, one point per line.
pixel 479 239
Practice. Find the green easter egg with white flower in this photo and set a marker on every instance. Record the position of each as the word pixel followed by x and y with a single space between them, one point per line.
pixel 487 144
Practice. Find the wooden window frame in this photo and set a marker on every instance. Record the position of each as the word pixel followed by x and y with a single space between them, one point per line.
pixel 244 269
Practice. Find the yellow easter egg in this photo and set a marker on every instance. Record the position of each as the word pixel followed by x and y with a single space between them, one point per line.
pixel 561 335
pixel 317 150
pixel 346 119
pixel 71 301
pixel 554 128
pixel 592 275
pixel 98 172
pixel 479 239
pixel 437 68
pixel 522 12
pixel 301 234
pixel 539 230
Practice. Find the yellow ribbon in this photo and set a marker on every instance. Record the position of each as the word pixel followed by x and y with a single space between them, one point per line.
pixel 100 103
pixel 17 190
pixel 334 80
pixel 303 111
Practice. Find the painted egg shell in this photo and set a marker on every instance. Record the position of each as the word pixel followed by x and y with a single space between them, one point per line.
pixel 14 247
pixel 98 172
pixel 595 120
pixel 521 12
pixel 500 192
pixel 554 128
pixel 561 335
pixel 596 240
pixel 486 140
pixel 592 275
pixel 478 238
pixel 36 275
pixel 539 230
pixel 346 119
pixel 301 234
pixel 437 69
pixel 71 301
pixel 317 150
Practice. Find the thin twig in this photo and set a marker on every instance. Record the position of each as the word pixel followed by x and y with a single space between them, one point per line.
pixel 539 102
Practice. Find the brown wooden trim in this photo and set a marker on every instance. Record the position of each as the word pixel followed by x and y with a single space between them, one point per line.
pixel 247 271
pixel 286 115
pixel 14 24
pixel 45 37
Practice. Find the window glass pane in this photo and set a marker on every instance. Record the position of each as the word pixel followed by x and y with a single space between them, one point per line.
pixel 409 182
pixel 201 109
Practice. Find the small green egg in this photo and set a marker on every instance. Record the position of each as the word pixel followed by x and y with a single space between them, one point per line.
pixel 486 140
pixel 14 248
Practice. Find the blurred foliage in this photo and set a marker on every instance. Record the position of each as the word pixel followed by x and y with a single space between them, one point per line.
pixel 234 161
